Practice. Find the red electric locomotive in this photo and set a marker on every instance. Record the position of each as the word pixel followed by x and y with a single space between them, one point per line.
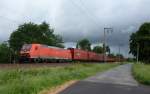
pixel 44 53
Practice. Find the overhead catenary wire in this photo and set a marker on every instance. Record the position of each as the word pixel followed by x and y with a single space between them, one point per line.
pixel 10 20
pixel 83 9
pixel 20 14
pixel 14 12
pixel 89 12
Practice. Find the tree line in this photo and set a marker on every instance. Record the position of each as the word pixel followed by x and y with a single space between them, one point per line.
pixel 43 33
pixel 85 44
pixel 28 33
pixel 140 43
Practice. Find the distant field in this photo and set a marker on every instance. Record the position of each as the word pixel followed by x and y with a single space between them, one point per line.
pixel 141 73
pixel 32 81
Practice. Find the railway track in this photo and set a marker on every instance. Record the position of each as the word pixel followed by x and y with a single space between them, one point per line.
pixel 33 65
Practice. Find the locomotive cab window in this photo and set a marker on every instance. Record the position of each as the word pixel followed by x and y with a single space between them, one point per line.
pixel 26 47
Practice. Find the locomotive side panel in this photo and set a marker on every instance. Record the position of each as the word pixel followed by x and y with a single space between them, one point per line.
pixel 54 53
pixel 40 53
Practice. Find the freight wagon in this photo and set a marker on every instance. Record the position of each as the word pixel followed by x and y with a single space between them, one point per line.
pixel 79 55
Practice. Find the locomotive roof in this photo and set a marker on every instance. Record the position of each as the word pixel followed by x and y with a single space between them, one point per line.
pixel 43 45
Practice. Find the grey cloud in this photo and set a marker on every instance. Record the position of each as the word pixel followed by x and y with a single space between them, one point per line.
pixel 77 19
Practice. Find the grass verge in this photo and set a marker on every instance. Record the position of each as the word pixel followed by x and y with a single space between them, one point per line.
pixel 32 81
pixel 58 89
pixel 141 73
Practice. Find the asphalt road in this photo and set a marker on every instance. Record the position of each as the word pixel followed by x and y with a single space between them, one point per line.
pixel 115 81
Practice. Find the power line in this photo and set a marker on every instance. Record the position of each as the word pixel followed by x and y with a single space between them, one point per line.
pixel 22 15
pixel 11 20
pixel 85 11
pixel 89 12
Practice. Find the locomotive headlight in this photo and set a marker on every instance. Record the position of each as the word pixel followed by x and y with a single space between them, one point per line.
pixel 25 54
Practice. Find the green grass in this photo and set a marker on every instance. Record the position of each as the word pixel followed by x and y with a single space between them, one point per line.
pixel 32 81
pixel 141 73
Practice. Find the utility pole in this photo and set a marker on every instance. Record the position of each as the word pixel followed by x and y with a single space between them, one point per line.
pixel 119 53
pixel 106 30
pixel 9 54
pixel 137 56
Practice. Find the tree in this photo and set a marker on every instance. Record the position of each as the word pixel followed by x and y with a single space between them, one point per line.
pixel 107 49
pixel 4 53
pixel 119 55
pixel 98 49
pixel 140 41
pixel 112 55
pixel 84 44
pixel 34 33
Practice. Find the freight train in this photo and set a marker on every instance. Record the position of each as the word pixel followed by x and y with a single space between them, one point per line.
pixel 43 53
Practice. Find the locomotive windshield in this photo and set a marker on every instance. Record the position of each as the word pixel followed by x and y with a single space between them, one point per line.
pixel 26 47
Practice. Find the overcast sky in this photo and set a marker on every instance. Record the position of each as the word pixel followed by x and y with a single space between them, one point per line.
pixel 77 19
